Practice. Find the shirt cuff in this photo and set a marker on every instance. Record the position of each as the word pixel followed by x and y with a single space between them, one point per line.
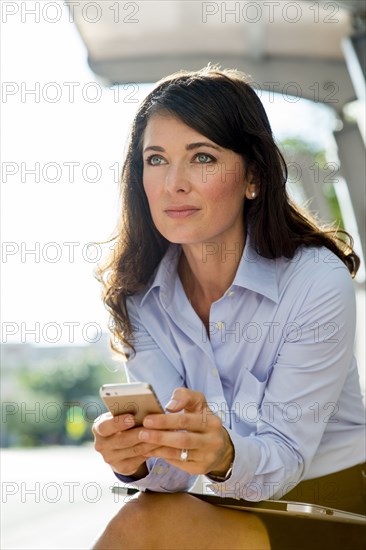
pixel 162 478
pixel 246 461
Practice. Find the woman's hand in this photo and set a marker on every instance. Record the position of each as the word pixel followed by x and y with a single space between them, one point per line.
pixel 197 429
pixel 118 442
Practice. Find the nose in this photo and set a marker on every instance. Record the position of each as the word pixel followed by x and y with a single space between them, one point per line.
pixel 177 180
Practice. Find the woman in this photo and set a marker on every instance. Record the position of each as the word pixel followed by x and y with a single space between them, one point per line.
pixel 240 312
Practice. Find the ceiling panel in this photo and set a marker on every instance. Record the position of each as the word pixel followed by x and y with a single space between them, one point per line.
pixel 115 30
pixel 141 41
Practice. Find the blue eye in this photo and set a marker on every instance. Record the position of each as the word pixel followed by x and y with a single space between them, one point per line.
pixel 203 158
pixel 154 160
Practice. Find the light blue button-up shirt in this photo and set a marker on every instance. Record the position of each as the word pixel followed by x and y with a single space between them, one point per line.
pixel 278 368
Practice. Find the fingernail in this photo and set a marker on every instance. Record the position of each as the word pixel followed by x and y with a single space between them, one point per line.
pixel 129 420
pixel 172 404
pixel 148 422
pixel 144 435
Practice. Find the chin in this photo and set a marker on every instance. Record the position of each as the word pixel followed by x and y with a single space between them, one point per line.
pixel 182 240
pixel 176 237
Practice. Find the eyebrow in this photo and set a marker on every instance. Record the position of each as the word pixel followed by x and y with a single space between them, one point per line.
pixel 189 147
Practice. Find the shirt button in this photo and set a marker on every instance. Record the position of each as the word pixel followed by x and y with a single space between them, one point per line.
pixel 215 372
pixel 220 325
pixel 231 293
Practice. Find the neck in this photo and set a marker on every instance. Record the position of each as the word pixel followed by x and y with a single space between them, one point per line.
pixel 208 269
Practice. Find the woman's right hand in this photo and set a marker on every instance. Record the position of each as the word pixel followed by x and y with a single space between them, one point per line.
pixel 116 439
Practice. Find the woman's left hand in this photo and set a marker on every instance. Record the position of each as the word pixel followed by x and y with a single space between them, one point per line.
pixel 197 429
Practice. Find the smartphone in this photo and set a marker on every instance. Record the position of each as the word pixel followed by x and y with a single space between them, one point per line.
pixel 137 398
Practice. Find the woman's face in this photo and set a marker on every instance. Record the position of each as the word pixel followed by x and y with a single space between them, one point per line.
pixel 196 189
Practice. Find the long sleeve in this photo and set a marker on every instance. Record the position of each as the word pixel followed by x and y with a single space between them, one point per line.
pixel 291 410
pixel 151 365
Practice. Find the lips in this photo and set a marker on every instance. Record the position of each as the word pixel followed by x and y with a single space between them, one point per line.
pixel 181 211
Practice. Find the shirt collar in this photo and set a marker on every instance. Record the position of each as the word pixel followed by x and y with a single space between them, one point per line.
pixel 257 273
pixel 165 275
pixel 254 273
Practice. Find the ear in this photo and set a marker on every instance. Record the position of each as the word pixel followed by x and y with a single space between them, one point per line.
pixel 252 187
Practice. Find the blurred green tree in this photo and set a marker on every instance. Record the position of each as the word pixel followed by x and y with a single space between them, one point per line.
pixel 58 402
pixel 315 161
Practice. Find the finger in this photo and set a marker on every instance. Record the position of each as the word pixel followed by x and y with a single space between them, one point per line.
pixel 118 441
pixel 170 454
pixel 193 422
pixel 107 424
pixel 111 450
pixel 184 398
pixel 177 440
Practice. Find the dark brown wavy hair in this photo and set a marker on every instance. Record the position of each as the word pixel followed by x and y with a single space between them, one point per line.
pixel 223 106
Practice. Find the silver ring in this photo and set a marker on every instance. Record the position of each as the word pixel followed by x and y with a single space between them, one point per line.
pixel 184 455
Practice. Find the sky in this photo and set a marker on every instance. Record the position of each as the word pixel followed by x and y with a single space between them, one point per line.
pixel 71 132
